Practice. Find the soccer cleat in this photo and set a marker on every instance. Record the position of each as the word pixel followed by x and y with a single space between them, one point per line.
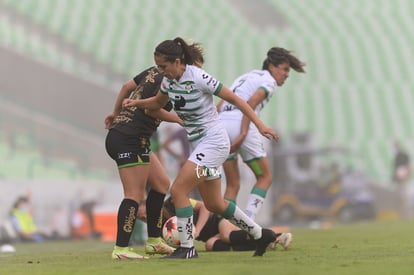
pixel 126 253
pixel 284 240
pixel 272 245
pixel 183 253
pixel 158 246
pixel 268 236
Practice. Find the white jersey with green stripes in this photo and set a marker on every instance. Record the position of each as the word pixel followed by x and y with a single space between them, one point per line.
pixel 247 84
pixel 192 98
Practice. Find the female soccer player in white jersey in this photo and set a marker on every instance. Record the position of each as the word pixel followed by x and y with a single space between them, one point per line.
pixel 256 88
pixel 191 91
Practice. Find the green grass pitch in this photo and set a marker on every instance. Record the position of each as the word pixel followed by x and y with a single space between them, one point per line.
pixel 364 248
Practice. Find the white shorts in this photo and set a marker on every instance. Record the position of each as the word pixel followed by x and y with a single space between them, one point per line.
pixel 252 146
pixel 211 151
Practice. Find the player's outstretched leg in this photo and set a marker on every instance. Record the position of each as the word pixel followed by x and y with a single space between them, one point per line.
pixel 263 237
pixel 268 236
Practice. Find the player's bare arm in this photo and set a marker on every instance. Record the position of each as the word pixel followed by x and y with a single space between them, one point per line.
pixel 164 115
pixel 155 102
pixel 125 91
pixel 226 94
pixel 254 100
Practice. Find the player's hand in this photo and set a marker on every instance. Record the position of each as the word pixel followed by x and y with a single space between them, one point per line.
pixel 179 121
pixel 269 133
pixel 237 143
pixel 108 120
pixel 128 103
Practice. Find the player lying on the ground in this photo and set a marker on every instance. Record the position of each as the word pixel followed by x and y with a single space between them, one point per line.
pixel 219 234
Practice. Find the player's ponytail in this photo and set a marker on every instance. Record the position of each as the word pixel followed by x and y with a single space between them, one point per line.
pixel 277 56
pixel 186 57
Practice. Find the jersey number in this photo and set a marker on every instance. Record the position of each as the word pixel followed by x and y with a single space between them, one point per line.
pixel 241 81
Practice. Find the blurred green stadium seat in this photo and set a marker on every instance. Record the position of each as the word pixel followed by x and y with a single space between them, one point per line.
pixel 357 90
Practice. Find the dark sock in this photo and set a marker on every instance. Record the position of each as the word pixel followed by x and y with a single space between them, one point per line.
pixel 239 237
pixel 219 245
pixel 248 246
pixel 127 213
pixel 154 205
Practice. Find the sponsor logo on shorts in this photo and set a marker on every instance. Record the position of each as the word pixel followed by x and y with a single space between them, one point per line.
pixel 124 155
pixel 202 171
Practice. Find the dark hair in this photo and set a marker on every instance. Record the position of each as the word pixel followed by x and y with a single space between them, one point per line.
pixel 178 48
pixel 277 56
pixel 168 211
pixel 20 200
pixel 169 207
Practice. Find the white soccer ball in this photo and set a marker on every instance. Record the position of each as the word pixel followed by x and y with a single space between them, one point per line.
pixel 170 232
pixel 7 248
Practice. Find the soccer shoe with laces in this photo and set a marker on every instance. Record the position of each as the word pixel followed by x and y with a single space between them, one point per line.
pixel 268 236
pixel 158 246
pixel 126 253
pixel 183 253
pixel 284 240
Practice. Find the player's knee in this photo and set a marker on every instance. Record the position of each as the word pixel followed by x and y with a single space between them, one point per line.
pixel 163 187
pixel 217 208
pixel 267 177
pixel 175 192
pixel 211 208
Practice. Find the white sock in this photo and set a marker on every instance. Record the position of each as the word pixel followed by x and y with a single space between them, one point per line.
pixel 254 203
pixel 241 220
pixel 185 231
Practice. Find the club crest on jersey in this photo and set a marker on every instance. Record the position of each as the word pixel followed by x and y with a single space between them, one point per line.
pixel 151 76
pixel 189 86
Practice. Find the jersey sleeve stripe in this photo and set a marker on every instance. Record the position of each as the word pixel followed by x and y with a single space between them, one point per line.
pixel 265 90
pixel 216 92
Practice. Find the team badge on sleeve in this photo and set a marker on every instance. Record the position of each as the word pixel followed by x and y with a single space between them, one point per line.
pixel 212 82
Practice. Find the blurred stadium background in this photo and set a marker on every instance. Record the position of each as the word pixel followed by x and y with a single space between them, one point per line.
pixel 63 62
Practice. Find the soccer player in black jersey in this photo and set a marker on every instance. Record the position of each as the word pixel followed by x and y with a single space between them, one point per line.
pixel 128 143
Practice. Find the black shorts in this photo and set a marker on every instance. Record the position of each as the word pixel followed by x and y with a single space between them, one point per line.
pixel 127 150
pixel 210 229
